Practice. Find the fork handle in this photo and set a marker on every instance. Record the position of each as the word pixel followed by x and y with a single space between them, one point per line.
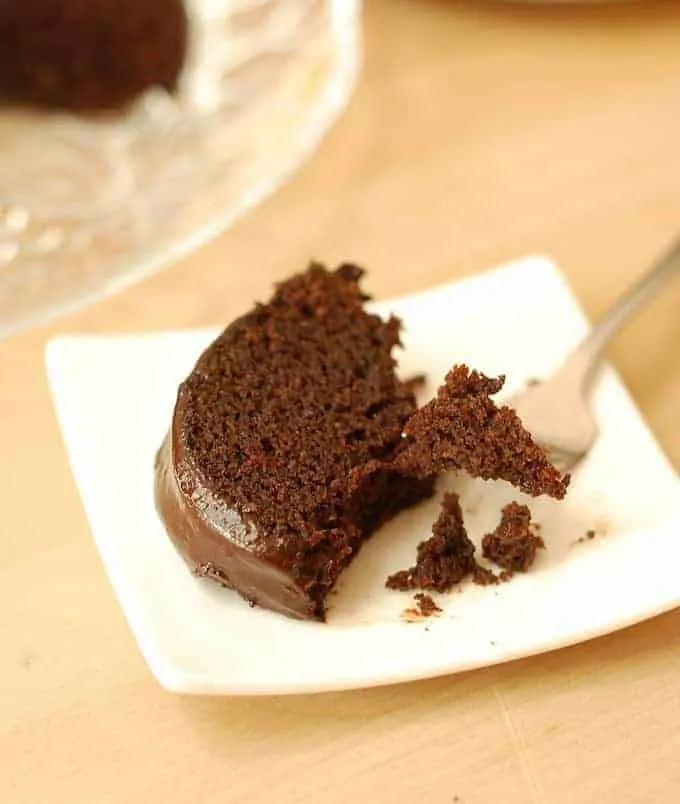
pixel 585 358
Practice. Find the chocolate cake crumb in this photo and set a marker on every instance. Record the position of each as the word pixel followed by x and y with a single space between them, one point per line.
pixel 588 536
pixel 512 545
pixel 290 420
pixel 462 428
pixel 426 605
pixel 444 559
pixel 484 577
pixel 401 581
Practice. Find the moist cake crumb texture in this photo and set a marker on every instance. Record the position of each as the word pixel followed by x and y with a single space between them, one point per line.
pixel 483 576
pixel 426 605
pixel 444 559
pixel 448 556
pixel 462 428
pixel 512 545
pixel 285 430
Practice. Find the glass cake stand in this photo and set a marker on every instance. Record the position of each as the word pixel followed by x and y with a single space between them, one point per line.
pixel 88 206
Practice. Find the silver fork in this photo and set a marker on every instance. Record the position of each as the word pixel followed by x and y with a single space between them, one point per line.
pixel 557 410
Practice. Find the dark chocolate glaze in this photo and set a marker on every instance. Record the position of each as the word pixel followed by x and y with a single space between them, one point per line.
pixel 277 465
pixel 218 543
pixel 215 541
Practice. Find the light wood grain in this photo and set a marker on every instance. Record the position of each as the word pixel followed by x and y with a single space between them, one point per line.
pixel 479 133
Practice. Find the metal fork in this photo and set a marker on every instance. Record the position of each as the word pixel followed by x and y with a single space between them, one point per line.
pixel 557 410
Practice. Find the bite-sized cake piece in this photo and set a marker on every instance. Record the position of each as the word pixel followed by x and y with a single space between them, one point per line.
pixel 268 480
pixel 462 428
pixel 444 559
pixel 89 54
pixel 512 545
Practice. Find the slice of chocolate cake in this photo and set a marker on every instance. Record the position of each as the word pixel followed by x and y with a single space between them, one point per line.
pixel 286 449
pixel 262 482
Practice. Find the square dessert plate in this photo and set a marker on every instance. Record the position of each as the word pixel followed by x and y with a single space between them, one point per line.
pixel 114 398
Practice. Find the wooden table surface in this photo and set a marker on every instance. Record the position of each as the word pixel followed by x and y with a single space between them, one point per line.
pixel 479 133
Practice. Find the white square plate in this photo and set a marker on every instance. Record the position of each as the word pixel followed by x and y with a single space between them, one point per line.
pixel 114 398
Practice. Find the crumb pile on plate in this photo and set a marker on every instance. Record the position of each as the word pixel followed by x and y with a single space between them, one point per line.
pixel 448 556
pixel 513 544
pixel 293 439
pixel 445 558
